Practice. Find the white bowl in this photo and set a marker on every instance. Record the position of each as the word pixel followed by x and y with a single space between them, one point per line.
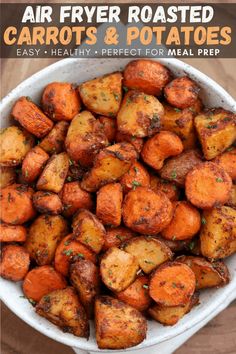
pixel 77 71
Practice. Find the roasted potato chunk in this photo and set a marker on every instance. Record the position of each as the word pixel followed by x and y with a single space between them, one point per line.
pixel 60 101
pixel 227 160
pixel 136 295
pixel 140 115
pixel 181 92
pixel 53 143
pixel 47 203
pixel 84 276
pixel 161 146
pixel 115 236
pixel 109 165
pixel 177 168
pixel 146 212
pixel 12 233
pixel 54 173
pixel 14 262
pixel 186 222
pixel 172 284
pixel 218 234
pixel 109 202
pixel 68 251
pixel 216 130
pixel 33 164
pixel 207 274
pixel 136 176
pixel 103 95
pixel 62 308
pixel 166 187
pixel 85 138
pixel 208 185
pixel 41 281
pixel 14 145
pixel 16 204
pixel 31 117
pixel 109 127
pixel 133 140
pixel 44 235
pixel 180 122
pixel 7 176
pixel 118 269
pixel 118 325
pixel 170 315
pixel 147 76
pixel 74 198
pixel 149 252
pixel 88 230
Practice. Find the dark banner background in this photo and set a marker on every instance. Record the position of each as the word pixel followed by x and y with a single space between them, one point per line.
pixel 11 15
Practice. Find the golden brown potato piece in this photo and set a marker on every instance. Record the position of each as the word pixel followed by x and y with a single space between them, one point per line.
pixel 62 308
pixel 109 127
pixel 180 122
pixel 207 274
pixel 103 95
pixel 14 145
pixel 88 230
pixel 172 284
pixel 170 315
pixel 135 177
pixel 181 92
pixel 140 114
pixel 168 188
pixel 149 252
pixel 161 146
pixel 14 262
pixel 16 204
pixel 47 203
pixel 197 107
pixel 41 281
pixel 232 198
pixel 12 233
pixel 118 269
pixel 7 176
pixel 44 235
pixel 228 161
pixel 133 140
pixel 186 222
pixel 136 295
pixel 147 76
pixel 208 185
pixel 146 212
pixel 33 164
pixel 54 174
pixel 177 168
pixel 85 137
pixel 74 198
pixel 118 325
pixel 84 276
pixel 53 143
pixel 177 246
pixel 218 234
pixel 216 130
pixel 68 251
pixel 60 101
pixel 109 165
pixel 115 236
pixel 109 202
pixel 31 117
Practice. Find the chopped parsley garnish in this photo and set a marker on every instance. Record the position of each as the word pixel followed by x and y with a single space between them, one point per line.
pixel 145 286
pixel 219 180
pixel 125 89
pixel 173 174
pixel 67 252
pixel 177 110
pixel 203 221
pixel 136 184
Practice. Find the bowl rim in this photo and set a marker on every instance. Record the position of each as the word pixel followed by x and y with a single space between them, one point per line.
pixel 228 290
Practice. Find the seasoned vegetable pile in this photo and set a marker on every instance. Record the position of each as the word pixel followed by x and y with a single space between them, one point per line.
pixel 118 201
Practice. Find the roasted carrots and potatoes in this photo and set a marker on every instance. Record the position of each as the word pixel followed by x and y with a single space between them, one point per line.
pixel 118 201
